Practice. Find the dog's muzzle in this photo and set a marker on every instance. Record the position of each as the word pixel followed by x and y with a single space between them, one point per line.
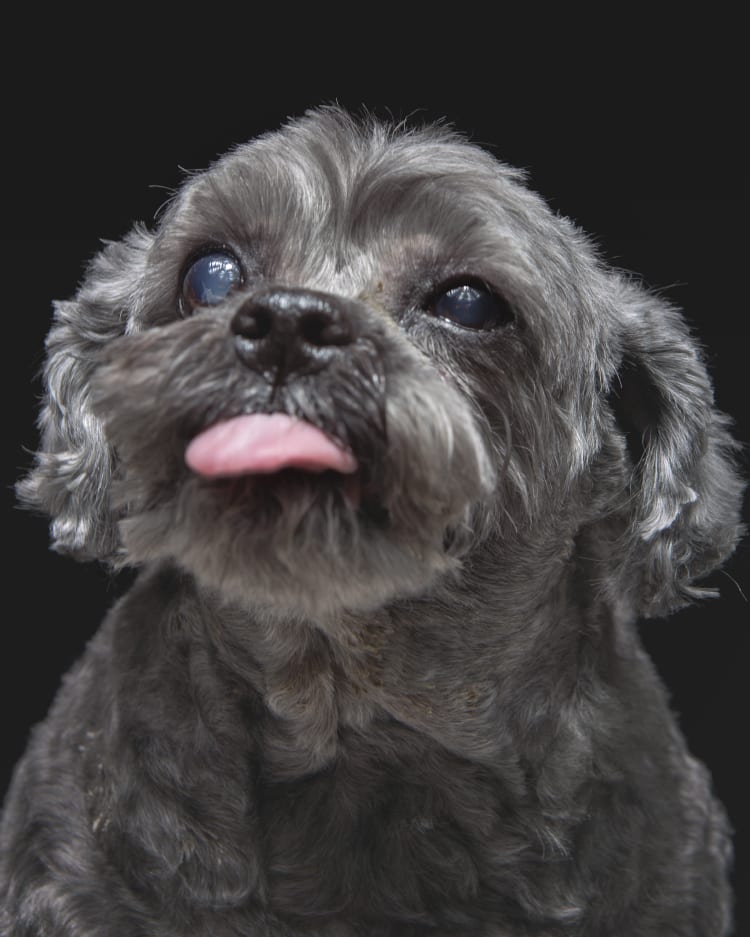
pixel 286 331
pixel 301 344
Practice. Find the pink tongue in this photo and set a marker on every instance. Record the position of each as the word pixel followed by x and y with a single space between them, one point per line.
pixel 262 443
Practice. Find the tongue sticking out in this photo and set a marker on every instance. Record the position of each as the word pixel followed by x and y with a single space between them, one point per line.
pixel 262 443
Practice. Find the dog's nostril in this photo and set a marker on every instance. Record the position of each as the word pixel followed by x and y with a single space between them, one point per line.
pixel 289 330
pixel 322 328
pixel 252 322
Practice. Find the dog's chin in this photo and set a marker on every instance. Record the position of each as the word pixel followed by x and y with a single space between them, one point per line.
pixel 293 542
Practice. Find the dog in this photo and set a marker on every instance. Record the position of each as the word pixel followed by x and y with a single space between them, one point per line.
pixel 400 462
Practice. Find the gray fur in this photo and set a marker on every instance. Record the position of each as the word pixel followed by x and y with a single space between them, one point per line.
pixel 426 715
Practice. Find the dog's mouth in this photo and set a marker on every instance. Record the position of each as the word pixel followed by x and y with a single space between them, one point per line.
pixel 277 448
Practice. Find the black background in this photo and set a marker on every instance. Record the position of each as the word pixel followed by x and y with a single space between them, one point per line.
pixel 654 177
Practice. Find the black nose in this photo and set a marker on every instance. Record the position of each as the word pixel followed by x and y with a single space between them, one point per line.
pixel 287 330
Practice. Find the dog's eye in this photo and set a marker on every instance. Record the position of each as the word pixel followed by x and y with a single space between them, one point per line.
pixel 209 279
pixel 471 305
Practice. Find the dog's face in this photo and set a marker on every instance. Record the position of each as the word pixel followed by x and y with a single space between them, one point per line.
pixel 352 364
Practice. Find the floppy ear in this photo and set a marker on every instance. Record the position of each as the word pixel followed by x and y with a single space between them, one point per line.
pixel 73 469
pixel 686 492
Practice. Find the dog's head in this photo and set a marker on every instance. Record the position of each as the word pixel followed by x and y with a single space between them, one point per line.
pixel 351 360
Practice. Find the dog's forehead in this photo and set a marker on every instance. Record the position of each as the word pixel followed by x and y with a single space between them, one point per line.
pixel 331 199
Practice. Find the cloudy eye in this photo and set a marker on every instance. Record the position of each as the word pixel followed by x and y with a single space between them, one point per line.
pixel 209 279
pixel 471 305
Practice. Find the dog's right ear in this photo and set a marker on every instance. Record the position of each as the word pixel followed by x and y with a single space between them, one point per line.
pixel 685 490
pixel 72 473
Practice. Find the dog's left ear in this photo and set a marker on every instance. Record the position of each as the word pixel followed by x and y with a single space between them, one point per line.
pixel 71 478
pixel 686 491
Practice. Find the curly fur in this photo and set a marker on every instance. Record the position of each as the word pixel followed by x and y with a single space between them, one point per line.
pixel 422 712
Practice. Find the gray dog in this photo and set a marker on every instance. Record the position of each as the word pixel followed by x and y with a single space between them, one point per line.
pixel 400 462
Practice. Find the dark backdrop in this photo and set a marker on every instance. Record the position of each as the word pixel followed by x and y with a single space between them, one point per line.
pixel 658 186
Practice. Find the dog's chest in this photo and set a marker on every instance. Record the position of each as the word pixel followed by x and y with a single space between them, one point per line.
pixel 406 834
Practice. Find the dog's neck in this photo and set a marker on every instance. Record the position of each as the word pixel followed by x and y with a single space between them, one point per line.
pixel 479 681
pixel 256 711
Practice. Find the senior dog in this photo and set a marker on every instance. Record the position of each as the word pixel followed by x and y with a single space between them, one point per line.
pixel 400 462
